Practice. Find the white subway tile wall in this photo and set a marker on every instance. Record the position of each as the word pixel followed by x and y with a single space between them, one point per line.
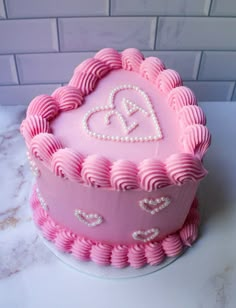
pixel 41 42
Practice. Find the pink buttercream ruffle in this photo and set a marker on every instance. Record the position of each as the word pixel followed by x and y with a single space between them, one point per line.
pixel 184 167
pixel 111 57
pixel 119 256
pixel 68 98
pixel 196 140
pixel 44 106
pixel 81 249
pixel 124 175
pixel 154 253
pixel 180 97
pixel 152 174
pixel 131 59
pixel 32 126
pixel 136 256
pixel 190 115
pixel 67 163
pixel 189 234
pixel 167 80
pixel 96 171
pixel 44 145
pixel 150 68
pixel 172 245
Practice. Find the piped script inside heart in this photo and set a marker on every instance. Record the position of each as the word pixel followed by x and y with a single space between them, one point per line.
pixel 127 116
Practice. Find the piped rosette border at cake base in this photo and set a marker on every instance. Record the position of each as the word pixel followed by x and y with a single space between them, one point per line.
pixel 118 256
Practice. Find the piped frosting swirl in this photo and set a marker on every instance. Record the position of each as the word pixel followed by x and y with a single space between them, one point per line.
pixel 43 105
pixel 124 175
pixel 96 171
pixel 152 174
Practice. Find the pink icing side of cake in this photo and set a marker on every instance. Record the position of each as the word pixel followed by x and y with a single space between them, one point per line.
pixel 116 208
pixel 117 255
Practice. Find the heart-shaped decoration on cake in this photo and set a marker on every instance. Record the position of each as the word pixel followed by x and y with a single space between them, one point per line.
pixel 145 236
pixel 109 110
pixel 154 206
pixel 89 219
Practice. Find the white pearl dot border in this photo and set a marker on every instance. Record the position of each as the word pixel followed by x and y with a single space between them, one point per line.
pixel 111 106
pixel 154 206
pixel 33 167
pixel 89 219
pixel 145 236
pixel 41 200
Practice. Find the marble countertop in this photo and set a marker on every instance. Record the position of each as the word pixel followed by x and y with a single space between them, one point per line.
pixel 204 277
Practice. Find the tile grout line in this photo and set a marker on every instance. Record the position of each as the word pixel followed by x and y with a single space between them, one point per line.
pixel 120 16
pixel 17 71
pixel 58 36
pixel 95 50
pixel 155 37
pixel 109 7
pixel 5 8
pixel 209 9
pixel 63 82
pixel 234 88
pixel 199 66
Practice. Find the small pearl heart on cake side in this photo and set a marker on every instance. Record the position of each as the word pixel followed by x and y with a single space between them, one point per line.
pixel 154 206
pixel 145 236
pixel 89 219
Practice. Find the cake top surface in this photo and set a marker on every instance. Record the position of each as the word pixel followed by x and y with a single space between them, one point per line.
pixel 120 116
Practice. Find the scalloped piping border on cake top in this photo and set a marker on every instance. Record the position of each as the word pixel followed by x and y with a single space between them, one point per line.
pixel 119 256
pixel 96 170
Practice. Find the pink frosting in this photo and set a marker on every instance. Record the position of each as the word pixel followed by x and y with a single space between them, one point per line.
pixel 150 68
pixel 43 105
pixel 189 234
pixel 180 97
pixel 81 249
pixel 131 59
pixel 124 175
pixel 193 216
pixel 64 240
pixel 172 245
pixel 119 256
pixel 167 80
pixel 184 167
pixel 68 98
pixel 152 174
pixel 44 145
pixel 190 115
pixel 96 171
pixel 32 126
pixel 40 216
pixel 111 57
pixel 136 256
pixel 67 163
pixel 196 139
pixel 101 254
pixel 84 81
pixel 154 253
pixel 50 230
pixel 93 66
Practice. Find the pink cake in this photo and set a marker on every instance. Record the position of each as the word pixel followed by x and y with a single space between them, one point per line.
pixel 117 156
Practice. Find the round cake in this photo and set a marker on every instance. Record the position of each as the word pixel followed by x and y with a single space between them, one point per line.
pixel 117 156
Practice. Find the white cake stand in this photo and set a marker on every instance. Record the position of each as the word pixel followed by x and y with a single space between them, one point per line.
pixel 106 272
